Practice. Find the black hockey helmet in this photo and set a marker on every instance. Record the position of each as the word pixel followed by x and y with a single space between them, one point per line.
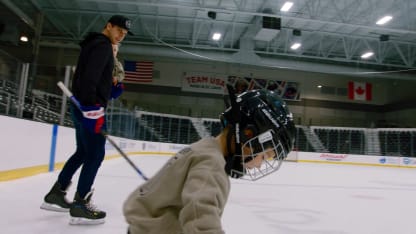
pixel 262 126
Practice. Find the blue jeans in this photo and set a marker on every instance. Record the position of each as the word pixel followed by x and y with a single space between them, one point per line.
pixel 89 154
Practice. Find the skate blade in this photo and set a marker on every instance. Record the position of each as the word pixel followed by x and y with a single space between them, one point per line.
pixel 84 221
pixel 53 207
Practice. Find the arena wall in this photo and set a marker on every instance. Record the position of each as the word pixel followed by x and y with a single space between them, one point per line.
pixel 29 148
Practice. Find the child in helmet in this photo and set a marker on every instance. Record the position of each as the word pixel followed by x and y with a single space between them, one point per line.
pixel 189 193
pixel 118 75
pixel 118 71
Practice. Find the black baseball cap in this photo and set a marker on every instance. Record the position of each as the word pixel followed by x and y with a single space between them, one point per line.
pixel 122 22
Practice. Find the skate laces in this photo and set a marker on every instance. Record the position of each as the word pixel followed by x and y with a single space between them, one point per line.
pixel 91 207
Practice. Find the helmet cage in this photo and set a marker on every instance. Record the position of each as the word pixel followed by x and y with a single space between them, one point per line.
pixel 263 129
pixel 269 148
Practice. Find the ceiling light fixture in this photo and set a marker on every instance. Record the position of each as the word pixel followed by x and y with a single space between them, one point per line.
pixel 384 20
pixel 216 36
pixel 24 38
pixel 295 46
pixel 286 7
pixel 367 55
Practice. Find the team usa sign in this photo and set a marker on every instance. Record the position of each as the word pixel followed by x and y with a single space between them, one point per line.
pixel 216 84
pixel 204 83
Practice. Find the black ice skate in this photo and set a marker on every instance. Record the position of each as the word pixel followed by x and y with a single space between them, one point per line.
pixel 55 200
pixel 82 211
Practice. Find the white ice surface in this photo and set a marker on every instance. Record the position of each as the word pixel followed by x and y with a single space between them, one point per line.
pixel 299 198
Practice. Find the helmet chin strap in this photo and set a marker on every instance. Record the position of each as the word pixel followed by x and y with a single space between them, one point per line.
pixel 234 165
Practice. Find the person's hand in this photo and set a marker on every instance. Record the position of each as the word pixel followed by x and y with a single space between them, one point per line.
pixel 117 90
pixel 93 118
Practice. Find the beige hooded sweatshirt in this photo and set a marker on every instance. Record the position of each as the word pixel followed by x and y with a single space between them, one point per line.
pixel 187 195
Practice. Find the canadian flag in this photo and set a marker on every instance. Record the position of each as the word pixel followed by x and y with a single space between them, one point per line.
pixel 359 91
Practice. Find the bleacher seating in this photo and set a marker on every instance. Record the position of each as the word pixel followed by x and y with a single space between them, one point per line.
pixel 341 140
pixel 397 143
pixel 144 133
pixel 169 128
pixel 301 142
pixel 213 127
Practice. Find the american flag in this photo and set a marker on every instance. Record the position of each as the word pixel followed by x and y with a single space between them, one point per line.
pixel 138 71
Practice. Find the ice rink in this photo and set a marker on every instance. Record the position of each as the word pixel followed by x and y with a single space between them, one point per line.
pixel 300 198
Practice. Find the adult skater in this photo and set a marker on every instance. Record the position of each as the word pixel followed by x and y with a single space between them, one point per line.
pixel 189 192
pixel 92 87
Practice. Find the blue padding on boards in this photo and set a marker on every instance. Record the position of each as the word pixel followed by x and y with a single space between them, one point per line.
pixel 53 148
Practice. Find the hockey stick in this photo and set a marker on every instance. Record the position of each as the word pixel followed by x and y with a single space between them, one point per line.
pixel 78 105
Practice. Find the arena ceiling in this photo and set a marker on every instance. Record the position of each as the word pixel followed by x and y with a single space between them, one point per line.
pixel 330 32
